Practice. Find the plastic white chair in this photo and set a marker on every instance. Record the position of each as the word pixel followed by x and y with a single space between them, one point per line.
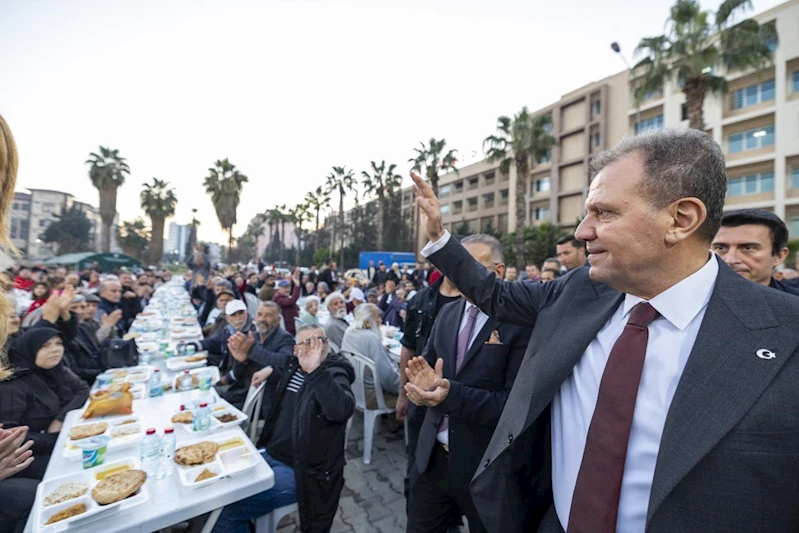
pixel 361 363
pixel 334 348
pixel 268 522
pixel 252 408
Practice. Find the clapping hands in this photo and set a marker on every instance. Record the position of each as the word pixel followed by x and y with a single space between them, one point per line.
pixel 426 386
pixel 240 345
pixel 14 456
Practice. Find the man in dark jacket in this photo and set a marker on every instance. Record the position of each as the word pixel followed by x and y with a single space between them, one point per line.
pixel 130 303
pixel 303 436
pixel 217 345
pixel 110 294
pixel 268 345
pixel 83 352
pixel 288 292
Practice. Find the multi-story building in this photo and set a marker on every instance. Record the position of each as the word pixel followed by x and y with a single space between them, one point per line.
pixel 177 239
pixel 32 212
pixel 756 122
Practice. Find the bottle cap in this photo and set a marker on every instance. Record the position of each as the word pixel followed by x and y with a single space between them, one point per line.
pixel 185 371
pixel 169 431
pixel 151 431
pixel 204 404
pixel 157 370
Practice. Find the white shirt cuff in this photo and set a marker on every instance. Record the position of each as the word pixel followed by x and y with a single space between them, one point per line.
pixel 432 247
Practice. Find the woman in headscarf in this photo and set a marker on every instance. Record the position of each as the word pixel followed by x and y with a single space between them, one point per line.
pixel 40 392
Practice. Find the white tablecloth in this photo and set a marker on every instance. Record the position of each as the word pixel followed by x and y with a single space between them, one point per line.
pixel 169 501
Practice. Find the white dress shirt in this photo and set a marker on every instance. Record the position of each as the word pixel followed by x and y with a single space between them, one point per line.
pixel 479 321
pixel 671 339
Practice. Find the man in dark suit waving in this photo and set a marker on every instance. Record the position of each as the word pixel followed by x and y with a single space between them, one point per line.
pixel 663 383
pixel 476 359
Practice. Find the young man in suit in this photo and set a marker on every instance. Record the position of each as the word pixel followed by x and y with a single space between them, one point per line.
pixel 692 439
pixel 472 360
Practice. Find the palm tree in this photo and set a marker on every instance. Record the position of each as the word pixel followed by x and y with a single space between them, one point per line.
pixel 381 182
pixel 158 203
pixel 298 215
pixel 433 159
pixel 224 183
pixel 107 172
pixel 282 215
pixel 693 47
pixel 341 180
pixel 519 139
pixel 317 200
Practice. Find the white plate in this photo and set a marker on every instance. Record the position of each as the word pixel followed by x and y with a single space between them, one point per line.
pixel 93 509
pixel 139 374
pixel 73 453
pixel 189 428
pixel 229 462
pixel 214 377
pixel 223 407
pixel 178 364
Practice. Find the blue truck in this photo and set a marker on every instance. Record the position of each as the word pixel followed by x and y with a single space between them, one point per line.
pixel 403 258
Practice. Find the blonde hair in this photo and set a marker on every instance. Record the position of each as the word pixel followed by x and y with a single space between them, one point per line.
pixel 9 163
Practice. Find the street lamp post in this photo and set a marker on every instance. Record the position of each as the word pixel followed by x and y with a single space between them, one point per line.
pixel 617 49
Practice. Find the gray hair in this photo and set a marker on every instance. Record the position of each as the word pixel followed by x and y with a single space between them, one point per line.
pixel 365 318
pixel 104 285
pixel 309 300
pixel 224 283
pixel 270 304
pixel 497 250
pixel 335 296
pixel 312 327
pixel 678 163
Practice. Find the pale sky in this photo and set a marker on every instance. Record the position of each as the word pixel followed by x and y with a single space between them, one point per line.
pixel 286 89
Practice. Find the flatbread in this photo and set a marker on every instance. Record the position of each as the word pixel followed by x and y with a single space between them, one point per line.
pixel 196 454
pixel 87 430
pixel 205 474
pixel 184 417
pixel 117 487
pixel 196 358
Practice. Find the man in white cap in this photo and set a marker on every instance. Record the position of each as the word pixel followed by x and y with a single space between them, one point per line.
pixel 218 354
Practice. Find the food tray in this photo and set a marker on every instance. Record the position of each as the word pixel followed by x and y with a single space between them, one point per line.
pixel 185 333
pixel 214 377
pixel 223 407
pixel 189 427
pixel 179 364
pixel 131 374
pixel 229 462
pixel 89 478
pixel 73 453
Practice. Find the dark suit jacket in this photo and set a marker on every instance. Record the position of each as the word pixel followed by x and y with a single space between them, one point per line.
pixel 478 390
pixel 729 454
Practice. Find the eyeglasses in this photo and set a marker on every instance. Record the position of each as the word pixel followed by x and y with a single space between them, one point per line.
pixel 307 342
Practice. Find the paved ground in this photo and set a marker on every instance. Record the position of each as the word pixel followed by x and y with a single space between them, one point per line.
pixel 372 500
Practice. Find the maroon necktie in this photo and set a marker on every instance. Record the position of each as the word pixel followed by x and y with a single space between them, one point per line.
pixel 595 503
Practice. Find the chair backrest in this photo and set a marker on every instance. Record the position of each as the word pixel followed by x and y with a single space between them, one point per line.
pixel 252 408
pixel 335 348
pixel 252 303
pixel 361 363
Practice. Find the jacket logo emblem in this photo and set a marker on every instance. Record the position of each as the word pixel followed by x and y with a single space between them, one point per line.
pixel 766 354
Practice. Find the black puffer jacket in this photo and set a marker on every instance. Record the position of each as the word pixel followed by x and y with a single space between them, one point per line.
pixel 324 405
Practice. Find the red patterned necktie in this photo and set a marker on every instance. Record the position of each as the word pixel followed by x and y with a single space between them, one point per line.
pixel 595 503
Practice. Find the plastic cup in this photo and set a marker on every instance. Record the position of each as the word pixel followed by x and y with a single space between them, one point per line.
pixel 105 380
pixel 94 450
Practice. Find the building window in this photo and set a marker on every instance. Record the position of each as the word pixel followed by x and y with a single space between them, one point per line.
pixel 26 206
pixel 488 200
pixel 503 224
pixel 596 105
pixel 649 124
pixel 490 179
pixel 457 207
pixel 751 139
pixel 546 159
pixel 795 83
pixel 44 222
pixel 594 135
pixel 795 177
pixel 443 191
pixel 48 208
pixel 751 184
pixel 472 204
pixel 445 210
pixel 548 125
pixel 458 186
pixel 752 95
pixel 474 182
pixel 794 229
pixel 503 197
pixel 684 112
pixel 44 250
pixel 541 213
pixel 16 206
pixel 542 184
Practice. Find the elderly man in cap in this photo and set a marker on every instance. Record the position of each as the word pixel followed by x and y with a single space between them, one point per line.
pixel 288 292
pixel 216 318
pixel 371 297
pixel 103 329
pixel 238 320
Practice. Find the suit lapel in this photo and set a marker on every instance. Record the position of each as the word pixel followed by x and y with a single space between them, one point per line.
pixel 547 365
pixel 721 380
pixel 482 336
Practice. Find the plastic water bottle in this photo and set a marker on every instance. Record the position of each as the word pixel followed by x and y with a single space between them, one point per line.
pixel 149 452
pixel 145 357
pixel 156 387
pixel 166 464
pixel 185 381
pixel 202 418
pixel 204 383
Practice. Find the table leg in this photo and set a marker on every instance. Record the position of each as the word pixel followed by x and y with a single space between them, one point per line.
pixel 212 518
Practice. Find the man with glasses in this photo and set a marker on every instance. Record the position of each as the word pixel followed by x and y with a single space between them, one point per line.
pixel 303 436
